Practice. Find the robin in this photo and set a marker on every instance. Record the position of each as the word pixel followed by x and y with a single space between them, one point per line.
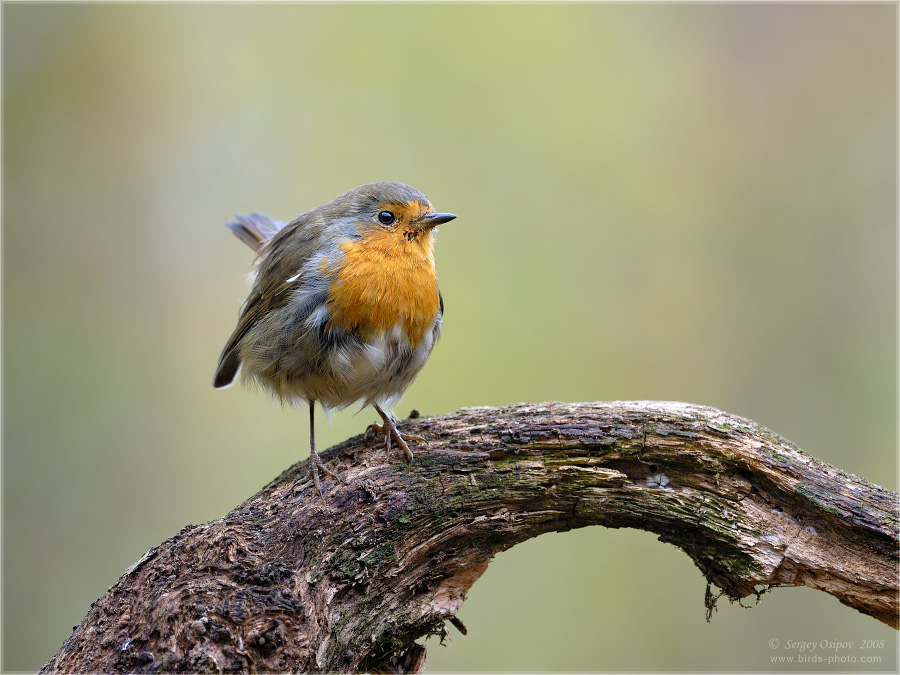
pixel 345 305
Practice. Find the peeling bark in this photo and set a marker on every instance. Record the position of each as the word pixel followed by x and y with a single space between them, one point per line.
pixel 348 582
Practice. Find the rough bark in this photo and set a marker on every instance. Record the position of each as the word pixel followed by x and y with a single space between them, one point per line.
pixel 348 582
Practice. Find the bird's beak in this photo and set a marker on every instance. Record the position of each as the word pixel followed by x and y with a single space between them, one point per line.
pixel 430 220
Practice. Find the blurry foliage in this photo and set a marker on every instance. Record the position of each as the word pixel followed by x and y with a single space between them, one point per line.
pixel 693 202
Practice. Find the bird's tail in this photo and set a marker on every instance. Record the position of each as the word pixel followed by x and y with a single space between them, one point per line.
pixel 254 229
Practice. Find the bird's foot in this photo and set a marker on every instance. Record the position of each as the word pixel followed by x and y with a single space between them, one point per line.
pixel 316 463
pixel 389 428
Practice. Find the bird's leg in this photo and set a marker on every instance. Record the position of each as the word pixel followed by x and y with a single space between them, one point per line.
pixel 315 462
pixel 389 428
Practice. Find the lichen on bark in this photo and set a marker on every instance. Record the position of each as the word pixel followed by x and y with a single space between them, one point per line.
pixel 350 581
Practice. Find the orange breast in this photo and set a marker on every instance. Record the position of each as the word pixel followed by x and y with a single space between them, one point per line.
pixel 386 281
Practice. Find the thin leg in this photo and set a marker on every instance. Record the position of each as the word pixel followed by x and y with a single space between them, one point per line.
pixel 315 462
pixel 389 428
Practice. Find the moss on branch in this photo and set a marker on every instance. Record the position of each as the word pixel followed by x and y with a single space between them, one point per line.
pixel 349 582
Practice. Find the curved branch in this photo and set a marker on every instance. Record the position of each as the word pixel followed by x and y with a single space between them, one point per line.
pixel 290 581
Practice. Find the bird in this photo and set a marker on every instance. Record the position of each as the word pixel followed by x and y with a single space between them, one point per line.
pixel 344 306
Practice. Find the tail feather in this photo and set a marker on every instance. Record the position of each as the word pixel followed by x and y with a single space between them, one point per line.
pixel 254 229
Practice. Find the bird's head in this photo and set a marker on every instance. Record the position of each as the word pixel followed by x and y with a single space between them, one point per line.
pixel 391 211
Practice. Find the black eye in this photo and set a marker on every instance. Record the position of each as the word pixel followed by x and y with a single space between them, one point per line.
pixel 386 217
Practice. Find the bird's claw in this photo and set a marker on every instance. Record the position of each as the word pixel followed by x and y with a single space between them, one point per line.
pixel 390 430
pixel 316 463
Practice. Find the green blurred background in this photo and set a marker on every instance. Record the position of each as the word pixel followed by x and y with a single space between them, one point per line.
pixel 690 202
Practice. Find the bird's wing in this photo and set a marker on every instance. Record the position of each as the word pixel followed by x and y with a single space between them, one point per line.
pixel 277 277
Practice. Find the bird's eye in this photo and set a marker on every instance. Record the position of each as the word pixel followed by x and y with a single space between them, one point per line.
pixel 386 217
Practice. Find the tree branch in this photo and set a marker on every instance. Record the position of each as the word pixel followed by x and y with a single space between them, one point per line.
pixel 348 582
